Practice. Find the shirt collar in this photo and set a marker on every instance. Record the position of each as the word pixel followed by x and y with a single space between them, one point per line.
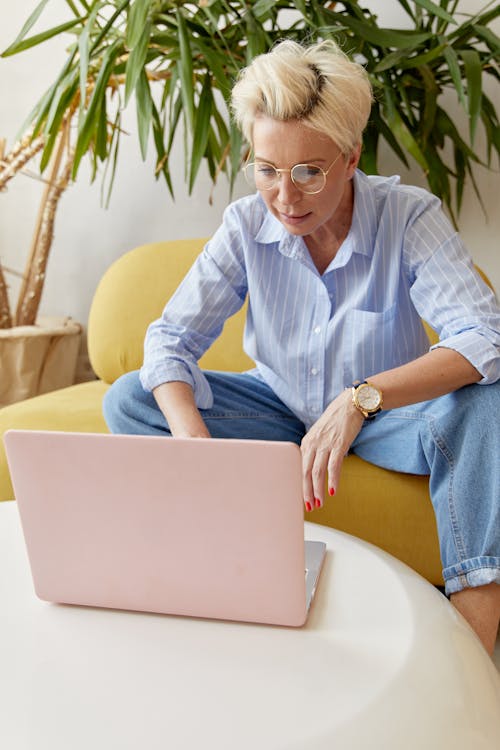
pixel 272 231
pixel 364 216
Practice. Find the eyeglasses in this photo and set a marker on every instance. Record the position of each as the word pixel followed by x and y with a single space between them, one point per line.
pixel 309 178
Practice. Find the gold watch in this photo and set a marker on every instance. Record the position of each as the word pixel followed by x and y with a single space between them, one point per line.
pixel 367 399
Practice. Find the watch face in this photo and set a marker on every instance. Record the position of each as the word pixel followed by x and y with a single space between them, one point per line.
pixel 368 397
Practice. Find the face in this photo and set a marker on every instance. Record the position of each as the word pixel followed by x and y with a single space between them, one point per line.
pixel 284 144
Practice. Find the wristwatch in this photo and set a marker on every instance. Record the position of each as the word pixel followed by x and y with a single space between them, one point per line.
pixel 367 398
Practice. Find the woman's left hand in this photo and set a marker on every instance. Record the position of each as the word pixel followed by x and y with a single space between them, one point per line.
pixel 325 446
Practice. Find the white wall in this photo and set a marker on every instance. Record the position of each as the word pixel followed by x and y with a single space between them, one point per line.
pixel 88 237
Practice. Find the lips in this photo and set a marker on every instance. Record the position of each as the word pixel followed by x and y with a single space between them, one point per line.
pixel 294 219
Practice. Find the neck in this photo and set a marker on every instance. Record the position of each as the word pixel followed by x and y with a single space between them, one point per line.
pixel 325 242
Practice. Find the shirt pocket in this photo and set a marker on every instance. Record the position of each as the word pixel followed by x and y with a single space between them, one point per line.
pixel 370 344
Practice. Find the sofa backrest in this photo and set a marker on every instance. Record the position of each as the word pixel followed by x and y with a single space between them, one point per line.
pixel 132 293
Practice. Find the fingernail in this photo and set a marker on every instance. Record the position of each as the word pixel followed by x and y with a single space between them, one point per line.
pixel 331 491
pixel 317 502
pixel 308 505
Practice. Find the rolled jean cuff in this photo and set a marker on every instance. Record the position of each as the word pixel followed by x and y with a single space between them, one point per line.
pixel 477 571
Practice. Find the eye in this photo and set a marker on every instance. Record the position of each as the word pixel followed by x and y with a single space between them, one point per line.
pixel 309 170
pixel 306 173
pixel 266 170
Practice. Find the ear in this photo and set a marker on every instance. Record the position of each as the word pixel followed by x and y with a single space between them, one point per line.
pixel 353 161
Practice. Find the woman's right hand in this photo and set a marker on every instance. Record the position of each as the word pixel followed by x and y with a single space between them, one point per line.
pixel 324 447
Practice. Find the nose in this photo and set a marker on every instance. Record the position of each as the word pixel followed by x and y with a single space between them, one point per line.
pixel 288 192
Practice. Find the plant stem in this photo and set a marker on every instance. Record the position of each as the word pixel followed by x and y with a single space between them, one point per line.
pixel 5 316
pixel 31 289
pixel 22 152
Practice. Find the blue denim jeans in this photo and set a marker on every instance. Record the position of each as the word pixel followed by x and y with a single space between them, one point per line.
pixel 455 439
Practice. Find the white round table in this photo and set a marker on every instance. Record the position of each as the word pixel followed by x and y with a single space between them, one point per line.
pixel 383 662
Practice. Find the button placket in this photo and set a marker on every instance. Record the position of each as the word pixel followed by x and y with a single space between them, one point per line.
pixel 316 352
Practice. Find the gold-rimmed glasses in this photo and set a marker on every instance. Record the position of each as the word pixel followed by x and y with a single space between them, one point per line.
pixel 309 178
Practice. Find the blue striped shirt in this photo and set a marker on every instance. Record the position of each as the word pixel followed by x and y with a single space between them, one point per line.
pixel 312 335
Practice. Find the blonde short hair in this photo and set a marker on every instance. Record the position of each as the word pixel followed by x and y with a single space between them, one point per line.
pixel 317 84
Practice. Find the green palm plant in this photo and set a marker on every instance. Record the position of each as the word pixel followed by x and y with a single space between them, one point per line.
pixel 179 61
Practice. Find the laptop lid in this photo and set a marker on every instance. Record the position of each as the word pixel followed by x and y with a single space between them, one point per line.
pixel 210 528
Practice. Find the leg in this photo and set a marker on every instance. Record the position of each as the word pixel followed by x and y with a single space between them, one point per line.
pixel 243 407
pixel 481 608
pixel 454 439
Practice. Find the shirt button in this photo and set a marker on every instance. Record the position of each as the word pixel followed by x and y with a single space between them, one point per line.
pixel 314 371
pixel 317 329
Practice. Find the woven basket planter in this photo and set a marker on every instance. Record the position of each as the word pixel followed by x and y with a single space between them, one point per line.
pixel 37 359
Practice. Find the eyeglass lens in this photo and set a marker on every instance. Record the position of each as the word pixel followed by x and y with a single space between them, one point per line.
pixel 307 177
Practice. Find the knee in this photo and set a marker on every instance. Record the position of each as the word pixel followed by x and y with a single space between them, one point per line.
pixel 474 408
pixel 482 401
pixel 119 400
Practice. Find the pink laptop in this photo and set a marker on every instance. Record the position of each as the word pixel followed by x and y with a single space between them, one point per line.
pixel 207 528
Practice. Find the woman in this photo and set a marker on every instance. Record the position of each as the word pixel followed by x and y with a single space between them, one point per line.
pixel 339 269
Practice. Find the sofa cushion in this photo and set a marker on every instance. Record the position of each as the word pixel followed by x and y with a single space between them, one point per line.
pixel 388 509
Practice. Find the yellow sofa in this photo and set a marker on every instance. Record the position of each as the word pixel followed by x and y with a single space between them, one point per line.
pixel 388 509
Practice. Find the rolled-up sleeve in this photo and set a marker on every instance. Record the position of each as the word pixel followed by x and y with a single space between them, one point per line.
pixel 451 296
pixel 213 290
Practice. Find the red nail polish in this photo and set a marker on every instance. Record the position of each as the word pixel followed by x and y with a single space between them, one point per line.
pixel 331 491
pixel 308 505
pixel 317 502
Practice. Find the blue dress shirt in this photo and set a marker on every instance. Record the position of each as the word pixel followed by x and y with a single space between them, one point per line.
pixel 312 335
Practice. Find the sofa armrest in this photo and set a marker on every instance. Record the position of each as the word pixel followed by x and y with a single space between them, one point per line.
pixel 74 409
pixel 133 293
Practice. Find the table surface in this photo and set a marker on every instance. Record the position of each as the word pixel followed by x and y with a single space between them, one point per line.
pixel 384 661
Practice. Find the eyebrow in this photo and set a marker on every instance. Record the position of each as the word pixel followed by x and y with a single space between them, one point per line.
pixel 308 161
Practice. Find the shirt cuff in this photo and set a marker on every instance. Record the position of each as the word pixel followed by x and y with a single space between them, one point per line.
pixel 184 372
pixel 482 354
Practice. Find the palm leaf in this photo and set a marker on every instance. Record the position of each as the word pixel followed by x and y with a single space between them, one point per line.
pixel 144 111
pixel 39 116
pixel 384 38
pixel 385 131
pixel 185 69
pixel 473 72
pixel 32 41
pixel 402 132
pixel 452 61
pixel 109 25
pixel 137 18
pixel 435 10
pixel 489 37
pixel 136 60
pixel 33 18
pixel 89 123
pixel 61 102
pixel 101 139
pixel 111 161
pixel 84 54
pixel 159 139
pixel 201 128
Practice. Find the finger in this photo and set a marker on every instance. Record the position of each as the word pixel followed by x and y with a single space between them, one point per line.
pixel 307 485
pixel 334 469
pixel 319 471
